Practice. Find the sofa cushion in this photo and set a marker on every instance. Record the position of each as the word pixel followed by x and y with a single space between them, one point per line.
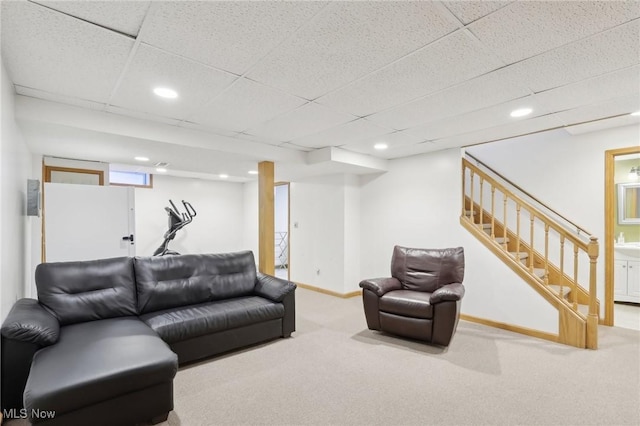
pixel 177 324
pixel 88 290
pixel 407 303
pixel 95 361
pixel 173 281
pixel 427 269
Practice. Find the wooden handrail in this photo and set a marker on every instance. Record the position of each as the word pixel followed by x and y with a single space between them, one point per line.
pixel 579 228
pixel 531 209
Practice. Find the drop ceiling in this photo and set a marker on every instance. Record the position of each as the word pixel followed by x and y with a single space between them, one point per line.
pixel 280 80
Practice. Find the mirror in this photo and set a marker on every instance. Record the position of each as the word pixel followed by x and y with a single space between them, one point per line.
pixel 628 206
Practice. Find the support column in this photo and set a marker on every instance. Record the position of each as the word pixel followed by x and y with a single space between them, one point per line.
pixel 266 221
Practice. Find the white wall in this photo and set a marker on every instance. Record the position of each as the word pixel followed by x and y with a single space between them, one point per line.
pixel 217 228
pixel 250 218
pixel 565 172
pixel 15 169
pixel 317 232
pixel 352 233
pixel 417 204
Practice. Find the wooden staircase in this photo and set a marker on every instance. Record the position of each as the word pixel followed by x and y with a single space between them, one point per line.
pixel 542 251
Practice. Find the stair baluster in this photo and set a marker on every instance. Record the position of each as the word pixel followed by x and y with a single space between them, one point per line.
pixel 532 219
pixel 504 222
pixel 574 293
pixel 562 265
pixel 546 254
pixel 493 212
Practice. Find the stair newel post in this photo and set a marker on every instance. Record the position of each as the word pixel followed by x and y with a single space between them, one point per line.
pixel 472 199
pixel 481 193
pixel 532 219
pixel 574 292
pixel 546 253
pixel 504 222
pixel 518 208
pixel 592 318
pixel 493 212
pixel 561 266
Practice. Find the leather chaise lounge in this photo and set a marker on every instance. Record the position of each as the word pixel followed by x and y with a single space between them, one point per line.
pixel 103 342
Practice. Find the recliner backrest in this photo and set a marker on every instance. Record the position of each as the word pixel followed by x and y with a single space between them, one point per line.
pixel 165 282
pixel 427 269
pixel 87 290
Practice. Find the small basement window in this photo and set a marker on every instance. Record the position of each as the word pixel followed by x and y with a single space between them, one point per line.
pixel 138 179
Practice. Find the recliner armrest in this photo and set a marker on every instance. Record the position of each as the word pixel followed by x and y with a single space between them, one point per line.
pixel 449 292
pixel 28 321
pixel 380 286
pixel 273 288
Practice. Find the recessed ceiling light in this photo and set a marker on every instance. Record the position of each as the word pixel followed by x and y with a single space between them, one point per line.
pixel 165 92
pixel 253 172
pixel 161 170
pixel 380 146
pixel 635 114
pixel 521 112
pixel 223 176
pixel 141 158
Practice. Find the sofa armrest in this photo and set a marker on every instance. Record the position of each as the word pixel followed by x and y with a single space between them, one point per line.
pixel 29 322
pixel 449 292
pixel 273 288
pixel 381 286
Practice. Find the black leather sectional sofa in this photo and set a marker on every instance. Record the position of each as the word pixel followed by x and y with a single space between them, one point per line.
pixel 103 342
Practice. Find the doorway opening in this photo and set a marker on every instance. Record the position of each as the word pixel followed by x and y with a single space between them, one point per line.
pixel 622 238
pixel 281 217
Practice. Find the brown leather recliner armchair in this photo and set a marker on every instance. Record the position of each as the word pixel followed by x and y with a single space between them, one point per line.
pixel 422 298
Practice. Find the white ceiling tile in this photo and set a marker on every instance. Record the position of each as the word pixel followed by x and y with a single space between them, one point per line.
pixel 608 51
pixel 510 130
pixel 449 61
pixel 587 92
pixel 469 11
pixel 408 150
pixel 527 28
pixel 624 105
pixel 53 52
pixel 150 68
pixel 626 120
pixel 490 89
pixel 261 139
pixel 210 129
pixel 289 145
pixel 245 104
pixel 142 115
pixel 122 16
pixel 308 119
pixel 477 120
pixel 231 35
pixel 35 93
pixel 394 141
pixel 349 40
pixel 350 132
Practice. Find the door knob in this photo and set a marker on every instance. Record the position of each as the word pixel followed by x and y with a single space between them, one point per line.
pixel 128 238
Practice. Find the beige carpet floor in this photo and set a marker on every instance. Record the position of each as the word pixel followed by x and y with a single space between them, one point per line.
pixel 334 371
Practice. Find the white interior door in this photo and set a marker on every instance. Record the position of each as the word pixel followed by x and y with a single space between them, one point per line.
pixel 85 222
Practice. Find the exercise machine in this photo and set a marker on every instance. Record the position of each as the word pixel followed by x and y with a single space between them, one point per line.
pixel 177 221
